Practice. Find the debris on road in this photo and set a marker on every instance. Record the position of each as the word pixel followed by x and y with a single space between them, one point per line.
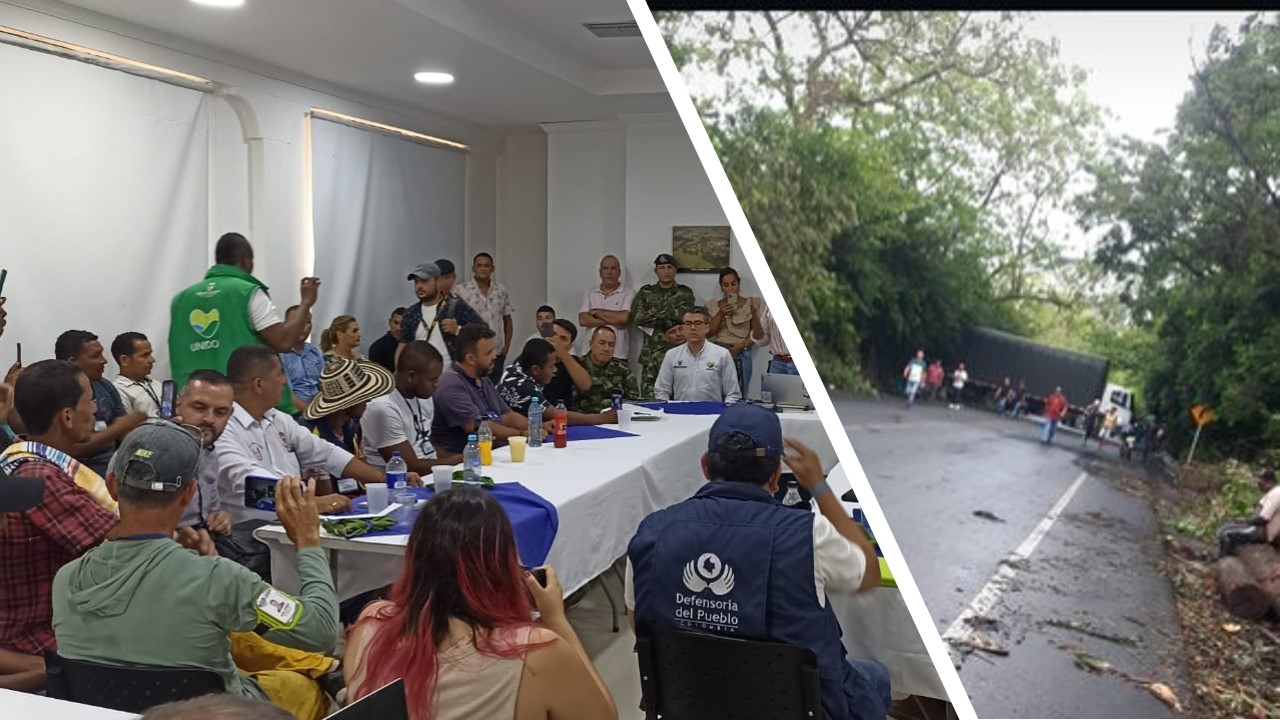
pixel 984 644
pixel 988 515
pixel 1166 695
pixel 1092 663
pixel 1086 629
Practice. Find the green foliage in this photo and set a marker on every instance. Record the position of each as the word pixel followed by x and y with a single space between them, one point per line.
pixel 1234 498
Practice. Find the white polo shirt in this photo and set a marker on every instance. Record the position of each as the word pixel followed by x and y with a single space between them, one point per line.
pixel 275 446
pixel 596 299
pixel 706 376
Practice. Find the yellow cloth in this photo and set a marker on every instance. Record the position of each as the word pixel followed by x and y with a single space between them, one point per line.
pixel 286 675
pixel 86 479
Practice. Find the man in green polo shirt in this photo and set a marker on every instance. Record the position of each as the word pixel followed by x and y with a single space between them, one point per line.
pixel 230 308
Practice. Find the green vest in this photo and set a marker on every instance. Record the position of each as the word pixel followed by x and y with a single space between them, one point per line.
pixel 211 319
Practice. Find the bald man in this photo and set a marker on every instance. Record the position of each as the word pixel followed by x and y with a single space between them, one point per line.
pixel 607 305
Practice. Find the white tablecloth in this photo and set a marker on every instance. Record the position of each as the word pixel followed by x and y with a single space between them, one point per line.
pixel 17 705
pixel 601 490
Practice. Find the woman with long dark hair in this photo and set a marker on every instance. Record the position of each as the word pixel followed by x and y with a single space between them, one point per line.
pixel 458 626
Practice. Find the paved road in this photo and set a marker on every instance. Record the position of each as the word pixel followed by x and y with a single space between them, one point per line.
pixel 1085 552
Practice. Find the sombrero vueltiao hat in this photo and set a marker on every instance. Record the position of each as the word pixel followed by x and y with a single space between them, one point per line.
pixel 344 383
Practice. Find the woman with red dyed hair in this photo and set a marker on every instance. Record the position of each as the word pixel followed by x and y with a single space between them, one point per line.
pixel 458 626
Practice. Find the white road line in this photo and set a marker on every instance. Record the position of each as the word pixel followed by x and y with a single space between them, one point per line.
pixel 995 587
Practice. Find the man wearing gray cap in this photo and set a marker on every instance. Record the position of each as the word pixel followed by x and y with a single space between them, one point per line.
pixel 733 561
pixel 143 599
pixel 437 315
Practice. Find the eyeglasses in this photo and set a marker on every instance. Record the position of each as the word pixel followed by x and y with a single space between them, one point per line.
pixel 694 323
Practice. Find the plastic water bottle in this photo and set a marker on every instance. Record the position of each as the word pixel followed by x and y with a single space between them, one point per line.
pixel 471 460
pixel 485 440
pixel 397 472
pixel 560 425
pixel 535 422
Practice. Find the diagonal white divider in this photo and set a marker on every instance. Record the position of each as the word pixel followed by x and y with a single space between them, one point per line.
pixel 795 343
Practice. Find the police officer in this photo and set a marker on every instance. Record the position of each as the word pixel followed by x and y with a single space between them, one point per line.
pixel 732 561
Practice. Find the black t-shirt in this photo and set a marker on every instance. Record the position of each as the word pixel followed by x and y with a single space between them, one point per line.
pixel 560 389
pixel 383 351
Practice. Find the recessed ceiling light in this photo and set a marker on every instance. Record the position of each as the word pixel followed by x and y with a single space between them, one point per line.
pixel 220 3
pixel 433 78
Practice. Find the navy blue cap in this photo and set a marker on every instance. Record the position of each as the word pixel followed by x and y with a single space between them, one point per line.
pixel 754 421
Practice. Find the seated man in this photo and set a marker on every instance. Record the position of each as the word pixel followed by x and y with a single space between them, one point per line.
pixel 383 350
pixel 56 404
pixel 465 396
pixel 205 402
pixel 132 352
pixel 609 374
pixel 303 363
pixel 401 421
pixel 570 376
pixel 770 568
pixel 697 370
pixel 527 378
pixel 111 421
pixel 142 599
pixel 346 387
pixel 262 441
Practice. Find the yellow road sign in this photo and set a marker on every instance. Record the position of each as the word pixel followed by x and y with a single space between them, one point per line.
pixel 1201 415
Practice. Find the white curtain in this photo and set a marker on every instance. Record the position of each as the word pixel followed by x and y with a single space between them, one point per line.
pixel 381 205
pixel 103 201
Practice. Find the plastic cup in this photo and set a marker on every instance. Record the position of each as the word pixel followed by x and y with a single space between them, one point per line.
pixel 517 443
pixel 624 417
pixel 378 496
pixel 407 501
pixel 442 475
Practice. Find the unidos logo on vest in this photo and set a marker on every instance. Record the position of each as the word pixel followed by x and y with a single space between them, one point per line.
pixel 205 323
pixel 708 572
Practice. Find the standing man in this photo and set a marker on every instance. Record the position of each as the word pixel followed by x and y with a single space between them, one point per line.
pixel 230 308
pixel 697 370
pixel 780 362
pixel 914 372
pixel 138 392
pixel 609 374
pixel 491 299
pixel 437 315
pixel 111 421
pixel 383 350
pixel 303 364
pixel 465 396
pixel 958 379
pixel 1054 407
pixel 654 306
pixel 608 305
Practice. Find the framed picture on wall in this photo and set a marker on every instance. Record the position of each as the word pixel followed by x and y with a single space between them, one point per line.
pixel 700 248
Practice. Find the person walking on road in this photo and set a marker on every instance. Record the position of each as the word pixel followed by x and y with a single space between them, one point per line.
pixel 914 373
pixel 958 380
pixel 933 379
pixel 1054 407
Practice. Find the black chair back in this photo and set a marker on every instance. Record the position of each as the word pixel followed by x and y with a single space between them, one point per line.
pixel 692 676
pixel 127 688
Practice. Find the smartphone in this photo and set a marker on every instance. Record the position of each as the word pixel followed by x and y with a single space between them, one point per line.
pixel 167 390
pixel 19 353
pixel 547 330
pixel 539 574
pixel 4 274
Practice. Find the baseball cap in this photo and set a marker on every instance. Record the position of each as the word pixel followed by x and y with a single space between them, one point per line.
pixel 426 271
pixel 757 423
pixel 664 259
pixel 158 455
pixel 20 493
pixel 446 267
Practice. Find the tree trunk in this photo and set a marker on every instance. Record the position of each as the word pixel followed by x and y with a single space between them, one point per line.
pixel 1263 563
pixel 1240 591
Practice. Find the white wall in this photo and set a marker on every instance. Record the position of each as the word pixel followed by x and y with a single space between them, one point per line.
pixel 276 101
pixel 521 254
pixel 619 188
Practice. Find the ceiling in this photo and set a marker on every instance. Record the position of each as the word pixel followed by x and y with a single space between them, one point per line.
pixel 516 62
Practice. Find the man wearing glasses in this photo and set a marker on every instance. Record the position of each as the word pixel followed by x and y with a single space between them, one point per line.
pixel 697 370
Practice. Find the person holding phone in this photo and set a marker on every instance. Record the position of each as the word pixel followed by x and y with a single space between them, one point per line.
pixel 735 322
pixel 132 352
pixel 112 420
pixel 459 628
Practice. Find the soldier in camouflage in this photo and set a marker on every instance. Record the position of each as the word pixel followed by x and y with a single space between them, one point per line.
pixel 660 307
pixel 608 374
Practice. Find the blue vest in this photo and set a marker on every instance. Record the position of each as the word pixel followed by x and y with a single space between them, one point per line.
pixel 732 561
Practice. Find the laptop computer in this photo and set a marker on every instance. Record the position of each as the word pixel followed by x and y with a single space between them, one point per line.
pixel 385 703
pixel 785 391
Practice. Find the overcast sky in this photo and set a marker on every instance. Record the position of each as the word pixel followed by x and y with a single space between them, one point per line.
pixel 1138 62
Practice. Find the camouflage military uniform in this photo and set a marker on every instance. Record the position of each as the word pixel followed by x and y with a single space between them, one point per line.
pixel 615 375
pixel 653 305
